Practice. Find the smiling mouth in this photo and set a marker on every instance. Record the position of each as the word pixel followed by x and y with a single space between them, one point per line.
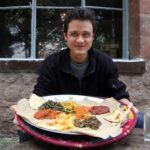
pixel 79 46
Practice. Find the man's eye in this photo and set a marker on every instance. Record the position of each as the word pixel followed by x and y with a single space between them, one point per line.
pixel 74 34
pixel 86 35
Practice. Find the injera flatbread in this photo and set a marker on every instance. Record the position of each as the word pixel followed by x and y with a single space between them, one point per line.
pixel 105 130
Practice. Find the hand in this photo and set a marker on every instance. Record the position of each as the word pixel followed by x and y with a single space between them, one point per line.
pixel 129 104
pixel 13 108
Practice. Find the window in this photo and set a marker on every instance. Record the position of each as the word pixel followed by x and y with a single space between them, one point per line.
pixel 32 29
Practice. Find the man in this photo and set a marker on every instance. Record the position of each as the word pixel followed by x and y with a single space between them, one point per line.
pixel 80 69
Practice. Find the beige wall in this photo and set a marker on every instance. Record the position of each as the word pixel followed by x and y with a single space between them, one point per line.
pixel 14 86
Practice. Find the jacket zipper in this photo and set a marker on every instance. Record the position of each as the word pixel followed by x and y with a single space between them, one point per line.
pixel 80 87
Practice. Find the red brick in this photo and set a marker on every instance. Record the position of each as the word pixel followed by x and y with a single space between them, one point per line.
pixel 145 25
pixel 135 48
pixel 144 6
pixel 144 47
pixel 134 7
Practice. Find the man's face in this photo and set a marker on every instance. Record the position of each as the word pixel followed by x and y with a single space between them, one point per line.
pixel 79 38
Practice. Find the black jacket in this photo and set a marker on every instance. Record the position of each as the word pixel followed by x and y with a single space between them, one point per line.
pixel 100 79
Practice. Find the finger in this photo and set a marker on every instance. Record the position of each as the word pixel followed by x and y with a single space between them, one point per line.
pixel 125 101
pixel 135 109
pixel 15 121
pixel 13 108
pixel 129 104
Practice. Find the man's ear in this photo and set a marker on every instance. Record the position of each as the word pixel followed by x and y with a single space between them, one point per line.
pixel 65 36
pixel 93 35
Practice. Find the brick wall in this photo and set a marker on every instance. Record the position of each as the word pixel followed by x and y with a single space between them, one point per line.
pixel 139 28
pixel 144 14
pixel 134 28
pixel 15 86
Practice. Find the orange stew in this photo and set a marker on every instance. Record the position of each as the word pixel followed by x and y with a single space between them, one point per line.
pixel 46 114
pixel 82 112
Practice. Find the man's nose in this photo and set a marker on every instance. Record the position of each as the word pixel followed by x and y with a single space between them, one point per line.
pixel 80 39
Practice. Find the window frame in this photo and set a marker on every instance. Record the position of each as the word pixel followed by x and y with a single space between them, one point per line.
pixel 126 65
pixel 34 7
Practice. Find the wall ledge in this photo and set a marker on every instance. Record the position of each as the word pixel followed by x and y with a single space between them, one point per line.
pixel 133 66
pixel 124 66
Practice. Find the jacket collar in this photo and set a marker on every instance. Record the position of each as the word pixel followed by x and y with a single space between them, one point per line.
pixel 66 64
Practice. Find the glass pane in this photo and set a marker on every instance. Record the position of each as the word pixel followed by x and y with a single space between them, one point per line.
pixel 58 2
pixel 109 32
pixel 15 2
pixel 50 38
pixel 105 3
pixel 15 29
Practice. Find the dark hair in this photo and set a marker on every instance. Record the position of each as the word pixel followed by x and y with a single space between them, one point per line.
pixel 80 14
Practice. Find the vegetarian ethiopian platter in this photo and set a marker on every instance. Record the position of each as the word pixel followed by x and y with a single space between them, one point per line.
pixel 75 114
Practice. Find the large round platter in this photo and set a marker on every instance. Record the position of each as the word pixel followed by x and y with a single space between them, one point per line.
pixel 74 140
